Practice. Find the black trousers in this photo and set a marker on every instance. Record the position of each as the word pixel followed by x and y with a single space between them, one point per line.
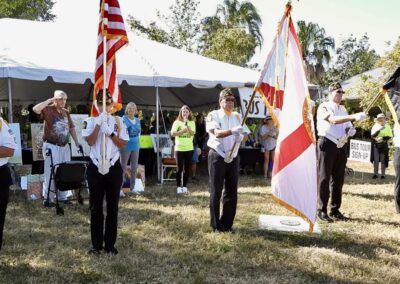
pixel 396 164
pixel 220 174
pixel 5 182
pixel 100 185
pixel 184 161
pixel 331 169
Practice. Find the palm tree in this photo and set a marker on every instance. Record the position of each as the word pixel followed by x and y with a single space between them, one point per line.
pixel 316 47
pixel 235 14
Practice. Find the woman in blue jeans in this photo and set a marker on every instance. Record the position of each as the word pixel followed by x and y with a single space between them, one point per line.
pixel 131 149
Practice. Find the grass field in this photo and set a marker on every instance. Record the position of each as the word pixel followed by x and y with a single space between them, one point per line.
pixel 165 238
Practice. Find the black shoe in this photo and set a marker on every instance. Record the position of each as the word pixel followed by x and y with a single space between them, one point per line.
pixel 112 251
pixel 339 216
pixel 94 251
pixel 382 177
pixel 374 177
pixel 324 217
pixel 230 230
pixel 48 204
pixel 195 178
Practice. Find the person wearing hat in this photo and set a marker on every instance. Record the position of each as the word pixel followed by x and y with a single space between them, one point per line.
pixel 268 135
pixel 104 183
pixel 334 128
pixel 381 132
pixel 58 127
pixel 8 144
pixel 225 130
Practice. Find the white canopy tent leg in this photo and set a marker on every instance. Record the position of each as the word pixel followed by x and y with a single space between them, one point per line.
pixel 158 137
pixel 10 106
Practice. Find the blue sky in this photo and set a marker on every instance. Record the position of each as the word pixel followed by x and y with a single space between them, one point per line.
pixel 378 18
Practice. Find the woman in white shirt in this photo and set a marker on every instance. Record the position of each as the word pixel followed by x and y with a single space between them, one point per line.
pixel 268 136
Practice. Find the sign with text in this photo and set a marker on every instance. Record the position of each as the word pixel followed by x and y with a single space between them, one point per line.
pixel 257 108
pixel 78 120
pixel 360 151
pixel 17 157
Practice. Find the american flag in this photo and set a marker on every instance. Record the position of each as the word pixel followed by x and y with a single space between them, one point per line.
pixel 111 26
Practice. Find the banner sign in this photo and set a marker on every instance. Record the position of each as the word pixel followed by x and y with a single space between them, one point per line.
pixel 360 151
pixel 257 108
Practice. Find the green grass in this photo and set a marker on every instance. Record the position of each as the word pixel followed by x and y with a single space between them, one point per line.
pixel 164 238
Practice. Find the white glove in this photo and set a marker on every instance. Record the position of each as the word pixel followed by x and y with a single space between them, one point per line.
pixel 351 131
pixel 106 129
pixel 237 130
pixel 238 138
pixel 359 116
pixel 101 118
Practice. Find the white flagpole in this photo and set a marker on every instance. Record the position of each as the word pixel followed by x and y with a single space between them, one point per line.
pixel 104 94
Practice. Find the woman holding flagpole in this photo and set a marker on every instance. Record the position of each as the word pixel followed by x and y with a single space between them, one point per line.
pixel 104 179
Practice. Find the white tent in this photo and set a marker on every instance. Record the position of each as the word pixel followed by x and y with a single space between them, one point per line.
pixel 38 57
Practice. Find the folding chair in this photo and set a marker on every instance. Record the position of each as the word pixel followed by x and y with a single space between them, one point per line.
pixel 168 165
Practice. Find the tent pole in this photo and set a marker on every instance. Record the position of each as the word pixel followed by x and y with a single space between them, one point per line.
pixel 158 136
pixel 10 105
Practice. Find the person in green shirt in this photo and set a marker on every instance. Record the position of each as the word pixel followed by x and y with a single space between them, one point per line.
pixel 183 129
pixel 380 133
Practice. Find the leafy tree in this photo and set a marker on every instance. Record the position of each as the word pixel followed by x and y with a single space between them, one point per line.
pixel 316 47
pixel 27 9
pixel 233 46
pixel 391 58
pixel 182 26
pixel 353 57
pixel 235 14
pixel 233 33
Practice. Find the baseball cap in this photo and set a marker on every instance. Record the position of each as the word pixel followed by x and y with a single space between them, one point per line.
pixel 99 96
pixel 334 86
pixel 225 93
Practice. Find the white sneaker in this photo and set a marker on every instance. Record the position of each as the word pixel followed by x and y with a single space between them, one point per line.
pixel 121 193
pixel 184 189
pixel 179 190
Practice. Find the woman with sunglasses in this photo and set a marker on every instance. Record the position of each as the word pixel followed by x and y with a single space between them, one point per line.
pixel 183 129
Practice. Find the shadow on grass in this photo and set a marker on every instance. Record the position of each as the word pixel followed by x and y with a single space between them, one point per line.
pixel 371 196
pixel 366 178
pixel 329 240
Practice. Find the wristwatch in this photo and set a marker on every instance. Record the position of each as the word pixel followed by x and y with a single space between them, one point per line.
pixel 112 135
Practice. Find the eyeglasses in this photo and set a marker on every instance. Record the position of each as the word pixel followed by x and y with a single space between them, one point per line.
pixel 339 92
pixel 107 103
pixel 230 100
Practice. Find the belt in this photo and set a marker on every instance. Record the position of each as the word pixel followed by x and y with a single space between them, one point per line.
pixel 53 143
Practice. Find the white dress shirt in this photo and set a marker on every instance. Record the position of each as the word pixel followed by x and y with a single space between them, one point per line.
pixel 331 131
pixel 112 151
pixel 7 139
pixel 218 119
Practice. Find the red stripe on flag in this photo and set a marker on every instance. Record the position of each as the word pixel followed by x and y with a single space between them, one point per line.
pixel 269 93
pixel 291 148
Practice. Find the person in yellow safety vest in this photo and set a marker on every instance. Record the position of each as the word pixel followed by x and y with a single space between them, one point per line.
pixel 381 132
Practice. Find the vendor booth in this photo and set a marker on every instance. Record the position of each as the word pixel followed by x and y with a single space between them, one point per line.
pixel 37 58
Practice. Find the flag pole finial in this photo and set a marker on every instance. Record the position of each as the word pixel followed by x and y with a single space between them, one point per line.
pixel 288 8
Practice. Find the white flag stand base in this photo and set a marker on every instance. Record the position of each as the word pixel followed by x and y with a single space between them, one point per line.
pixel 285 224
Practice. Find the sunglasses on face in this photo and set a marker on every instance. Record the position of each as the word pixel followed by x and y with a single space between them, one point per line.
pixel 339 92
pixel 230 100
pixel 107 103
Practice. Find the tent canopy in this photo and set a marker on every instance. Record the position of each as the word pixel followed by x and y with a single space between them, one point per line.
pixel 40 57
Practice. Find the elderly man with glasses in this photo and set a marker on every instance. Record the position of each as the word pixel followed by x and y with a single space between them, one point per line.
pixel 334 128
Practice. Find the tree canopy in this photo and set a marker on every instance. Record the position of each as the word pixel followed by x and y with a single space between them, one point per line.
pixel 39 10
pixel 316 47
